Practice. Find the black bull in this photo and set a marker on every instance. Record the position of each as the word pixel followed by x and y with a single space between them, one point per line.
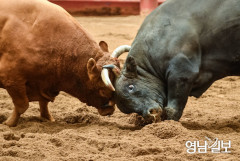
pixel 181 48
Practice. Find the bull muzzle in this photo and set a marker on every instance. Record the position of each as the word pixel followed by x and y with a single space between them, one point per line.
pixel 105 71
pixel 153 115
pixel 107 109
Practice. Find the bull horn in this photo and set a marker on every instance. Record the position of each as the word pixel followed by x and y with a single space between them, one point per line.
pixel 106 79
pixel 114 68
pixel 115 54
pixel 120 50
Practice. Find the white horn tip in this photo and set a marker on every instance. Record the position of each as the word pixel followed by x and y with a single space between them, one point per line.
pixel 106 79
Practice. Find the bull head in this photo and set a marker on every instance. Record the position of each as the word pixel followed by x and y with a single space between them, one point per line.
pixel 105 75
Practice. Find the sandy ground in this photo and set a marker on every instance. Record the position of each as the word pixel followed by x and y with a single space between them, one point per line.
pixel 80 133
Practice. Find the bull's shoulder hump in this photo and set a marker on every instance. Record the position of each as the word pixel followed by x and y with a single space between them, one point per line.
pixel 25 9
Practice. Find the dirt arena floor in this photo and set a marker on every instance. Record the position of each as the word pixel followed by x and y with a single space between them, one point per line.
pixel 80 133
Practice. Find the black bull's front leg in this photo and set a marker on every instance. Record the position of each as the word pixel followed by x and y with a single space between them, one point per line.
pixel 180 76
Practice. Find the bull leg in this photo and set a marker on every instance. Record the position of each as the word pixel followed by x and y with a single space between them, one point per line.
pixel 178 92
pixel 181 75
pixel 44 111
pixel 20 101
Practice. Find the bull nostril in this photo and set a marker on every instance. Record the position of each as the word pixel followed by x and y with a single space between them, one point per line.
pixel 154 114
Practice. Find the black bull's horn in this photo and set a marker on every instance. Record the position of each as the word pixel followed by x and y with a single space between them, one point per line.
pixel 115 54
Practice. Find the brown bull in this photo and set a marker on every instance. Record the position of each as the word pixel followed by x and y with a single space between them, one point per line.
pixel 43 50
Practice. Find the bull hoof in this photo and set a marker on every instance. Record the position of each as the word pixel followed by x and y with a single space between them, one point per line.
pixel 170 114
pixel 48 117
pixel 12 119
pixel 51 119
pixel 10 123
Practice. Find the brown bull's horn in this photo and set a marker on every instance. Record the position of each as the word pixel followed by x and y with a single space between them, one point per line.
pixel 106 79
pixel 114 68
pixel 105 75
pixel 119 50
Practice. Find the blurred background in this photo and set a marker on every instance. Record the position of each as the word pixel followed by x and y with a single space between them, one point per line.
pixel 108 7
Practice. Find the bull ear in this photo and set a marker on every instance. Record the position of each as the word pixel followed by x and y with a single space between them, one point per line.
pixel 131 66
pixel 104 46
pixel 92 69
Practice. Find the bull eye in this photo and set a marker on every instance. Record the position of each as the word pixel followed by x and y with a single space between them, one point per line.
pixel 102 93
pixel 131 87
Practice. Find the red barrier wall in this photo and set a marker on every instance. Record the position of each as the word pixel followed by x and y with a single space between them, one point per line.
pixel 107 7
pixel 146 6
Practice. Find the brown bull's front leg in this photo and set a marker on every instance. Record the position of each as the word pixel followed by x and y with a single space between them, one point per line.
pixel 20 101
